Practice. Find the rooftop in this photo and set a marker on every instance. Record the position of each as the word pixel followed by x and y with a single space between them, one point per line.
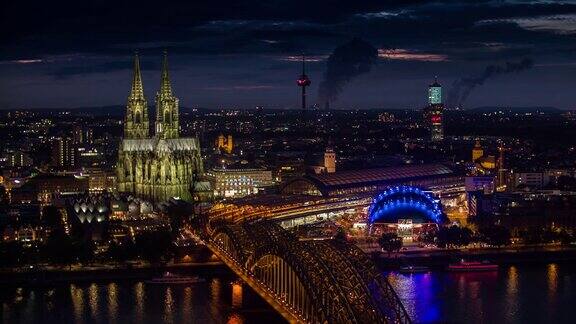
pixel 381 174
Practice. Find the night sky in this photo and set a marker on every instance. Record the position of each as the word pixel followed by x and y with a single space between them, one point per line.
pixel 240 54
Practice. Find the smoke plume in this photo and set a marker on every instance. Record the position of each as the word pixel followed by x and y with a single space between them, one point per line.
pixel 345 63
pixel 462 88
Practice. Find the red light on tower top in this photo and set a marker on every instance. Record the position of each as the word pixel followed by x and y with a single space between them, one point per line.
pixel 303 81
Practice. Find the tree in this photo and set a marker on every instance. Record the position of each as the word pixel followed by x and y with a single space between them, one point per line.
pixel 566 183
pixel 10 253
pixel 52 217
pixel 566 238
pixel 340 235
pixel 154 246
pixel 550 235
pixel 390 242
pixel 3 197
pixel 532 235
pixel 60 248
pixel 496 235
pixel 428 237
pixel 84 250
pixel 453 236
pixel 121 251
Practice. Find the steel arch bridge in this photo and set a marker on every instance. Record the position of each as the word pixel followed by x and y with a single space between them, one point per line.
pixel 390 205
pixel 305 281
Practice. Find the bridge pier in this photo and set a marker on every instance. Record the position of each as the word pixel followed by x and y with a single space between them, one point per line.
pixel 257 287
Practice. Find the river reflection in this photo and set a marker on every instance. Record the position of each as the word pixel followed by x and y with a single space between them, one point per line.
pixel 542 293
pixel 218 300
pixel 513 294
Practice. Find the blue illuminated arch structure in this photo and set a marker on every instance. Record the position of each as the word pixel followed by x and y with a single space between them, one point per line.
pixel 406 202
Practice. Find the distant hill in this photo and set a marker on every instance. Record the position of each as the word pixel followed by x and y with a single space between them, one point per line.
pixel 115 110
pixel 548 110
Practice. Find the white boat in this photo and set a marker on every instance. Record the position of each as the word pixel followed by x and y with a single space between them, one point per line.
pixel 413 269
pixel 472 266
pixel 169 278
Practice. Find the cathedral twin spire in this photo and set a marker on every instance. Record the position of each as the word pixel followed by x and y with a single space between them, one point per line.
pixel 137 91
pixel 136 119
pixel 136 123
pixel 166 106
pixel 165 86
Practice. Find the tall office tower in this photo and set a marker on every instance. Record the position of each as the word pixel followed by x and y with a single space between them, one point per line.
pixel 63 153
pixel 89 136
pixel 77 134
pixel 159 167
pixel 502 172
pixel 433 113
pixel 18 159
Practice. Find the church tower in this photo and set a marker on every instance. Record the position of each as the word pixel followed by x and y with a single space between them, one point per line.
pixel 136 120
pixel 160 166
pixel 166 106
pixel 329 159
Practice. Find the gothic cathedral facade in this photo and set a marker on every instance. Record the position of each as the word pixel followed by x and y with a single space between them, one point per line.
pixel 163 165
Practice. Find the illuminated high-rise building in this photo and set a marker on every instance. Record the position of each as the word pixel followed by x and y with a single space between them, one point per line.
pixel 162 166
pixel 89 136
pixel 77 134
pixel 63 153
pixel 477 151
pixel 433 113
pixel 502 172
pixel 17 159
pixel 435 93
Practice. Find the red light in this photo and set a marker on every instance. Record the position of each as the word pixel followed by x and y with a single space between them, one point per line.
pixel 303 81
pixel 436 119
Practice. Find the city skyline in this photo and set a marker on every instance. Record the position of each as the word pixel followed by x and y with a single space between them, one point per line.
pixel 248 54
pixel 400 161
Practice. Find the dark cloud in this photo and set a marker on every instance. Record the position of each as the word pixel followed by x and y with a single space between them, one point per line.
pixel 462 88
pixel 348 61
pixel 68 71
pixel 232 39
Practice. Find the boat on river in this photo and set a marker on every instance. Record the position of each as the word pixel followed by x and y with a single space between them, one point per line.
pixel 472 266
pixel 413 269
pixel 169 278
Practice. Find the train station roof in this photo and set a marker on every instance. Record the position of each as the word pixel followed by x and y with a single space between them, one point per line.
pixel 381 174
pixel 416 174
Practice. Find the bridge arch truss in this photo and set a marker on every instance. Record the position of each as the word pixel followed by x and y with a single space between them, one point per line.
pixel 307 281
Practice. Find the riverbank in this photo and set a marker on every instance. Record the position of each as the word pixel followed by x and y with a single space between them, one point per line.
pixel 438 259
pixel 441 258
pixel 54 275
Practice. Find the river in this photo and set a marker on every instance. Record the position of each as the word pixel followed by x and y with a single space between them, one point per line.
pixel 536 293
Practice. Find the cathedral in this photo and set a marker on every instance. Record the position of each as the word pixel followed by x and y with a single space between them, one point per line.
pixel 159 166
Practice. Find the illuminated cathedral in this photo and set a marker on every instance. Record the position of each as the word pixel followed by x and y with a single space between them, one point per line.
pixel 159 166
